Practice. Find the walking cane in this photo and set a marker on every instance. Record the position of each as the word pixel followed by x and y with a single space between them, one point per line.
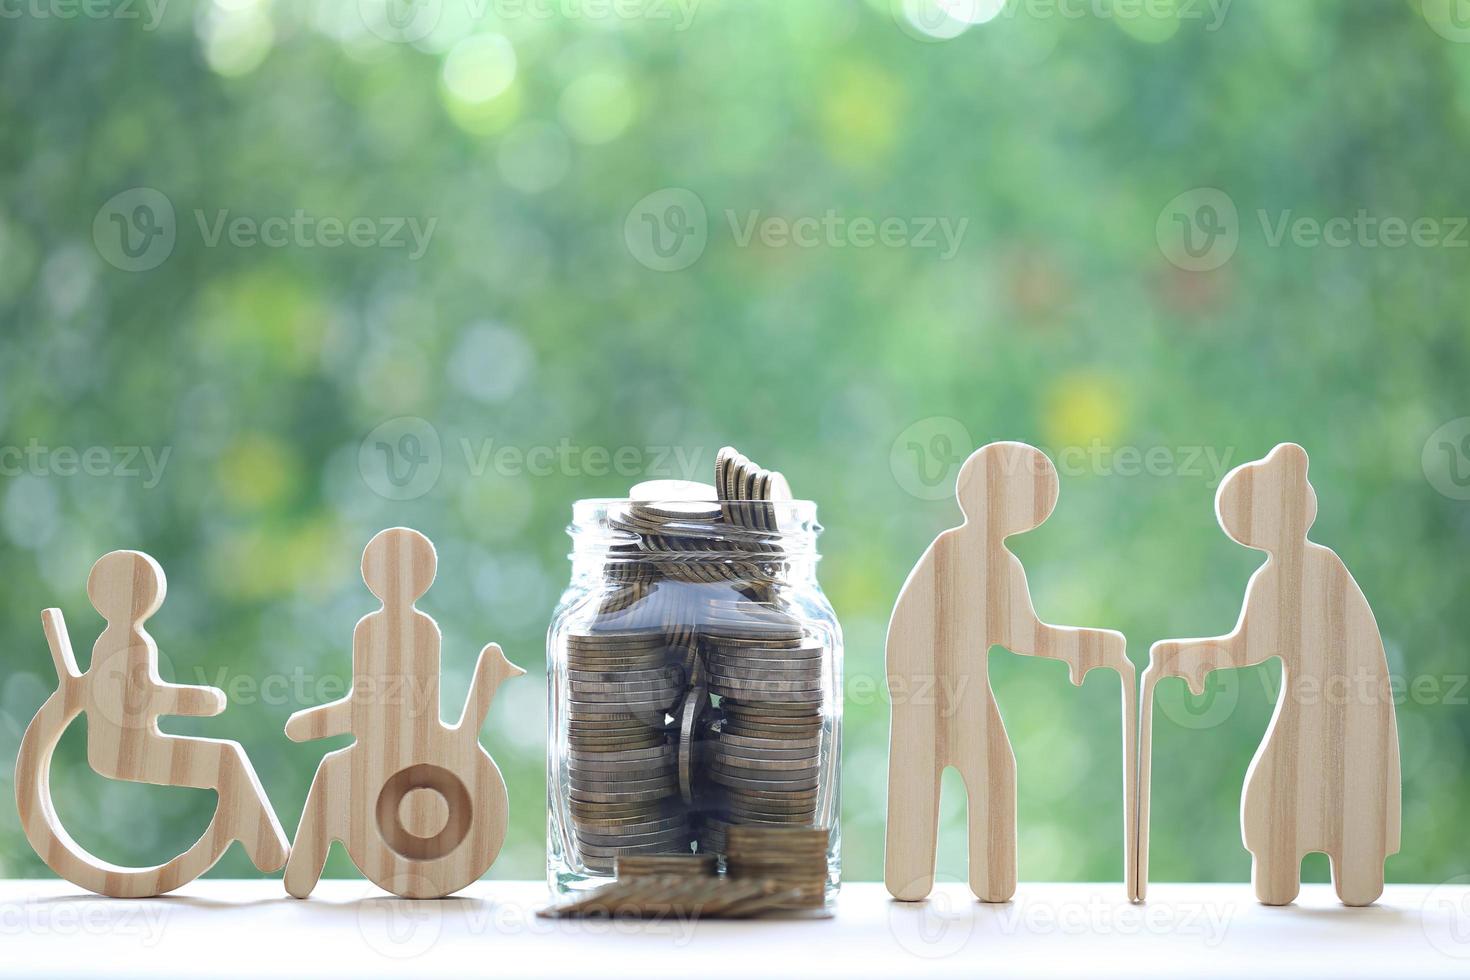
pixel 1127 677
pixel 1142 788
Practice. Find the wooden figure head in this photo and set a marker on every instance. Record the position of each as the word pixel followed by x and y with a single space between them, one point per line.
pixel 126 587
pixel 1268 505
pixel 398 566
pixel 1007 488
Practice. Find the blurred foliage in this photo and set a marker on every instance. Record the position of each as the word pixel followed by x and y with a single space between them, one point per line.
pixel 528 322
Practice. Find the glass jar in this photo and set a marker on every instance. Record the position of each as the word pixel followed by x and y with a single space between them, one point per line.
pixel 695 681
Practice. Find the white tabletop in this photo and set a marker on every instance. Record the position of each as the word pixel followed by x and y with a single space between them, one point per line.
pixel 348 928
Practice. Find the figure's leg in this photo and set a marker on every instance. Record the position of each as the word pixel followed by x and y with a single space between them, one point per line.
pixel 913 827
pixel 1357 876
pixel 208 763
pixel 992 821
pixel 1269 827
pixel 1277 878
pixel 255 822
pixel 314 834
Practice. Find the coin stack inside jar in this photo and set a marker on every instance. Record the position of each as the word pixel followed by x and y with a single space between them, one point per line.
pixel 621 764
pixel 695 694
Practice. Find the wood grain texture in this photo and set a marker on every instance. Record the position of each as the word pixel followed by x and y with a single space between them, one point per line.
pixel 1326 776
pixel 123 696
pixel 420 805
pixel 968 593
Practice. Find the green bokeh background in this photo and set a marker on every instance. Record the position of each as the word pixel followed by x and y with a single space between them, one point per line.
pixel 529 321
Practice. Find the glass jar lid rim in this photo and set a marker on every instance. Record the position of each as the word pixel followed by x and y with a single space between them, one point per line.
pixel 606 501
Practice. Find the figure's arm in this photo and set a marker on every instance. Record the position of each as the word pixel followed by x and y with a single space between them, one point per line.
pixel 1254 640
pixel 187 699
pixel 323 721
pixel 1196 658
pixel 1081 648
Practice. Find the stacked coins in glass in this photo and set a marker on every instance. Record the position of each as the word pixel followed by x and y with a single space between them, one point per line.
pixel 696 674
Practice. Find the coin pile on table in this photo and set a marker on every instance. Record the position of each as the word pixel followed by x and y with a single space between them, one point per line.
pixel 686 897
pixel 794 857
pixel 694 698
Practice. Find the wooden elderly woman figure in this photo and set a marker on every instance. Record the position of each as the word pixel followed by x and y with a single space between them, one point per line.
pixel 968 593
pixel 1326 776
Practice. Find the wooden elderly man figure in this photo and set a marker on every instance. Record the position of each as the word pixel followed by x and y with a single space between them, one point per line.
pixel 1326 777
pixel 967 594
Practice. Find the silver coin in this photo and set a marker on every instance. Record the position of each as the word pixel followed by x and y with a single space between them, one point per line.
pixel 671 673
pixel 622 760
pixel 673 836
pixel 767 768
pixel 604 780
pixel 736 780
pixel 731 742
pixel 806 756
pixel 612 852
pixel 594 832
pixel 624 796
pixel 762 686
